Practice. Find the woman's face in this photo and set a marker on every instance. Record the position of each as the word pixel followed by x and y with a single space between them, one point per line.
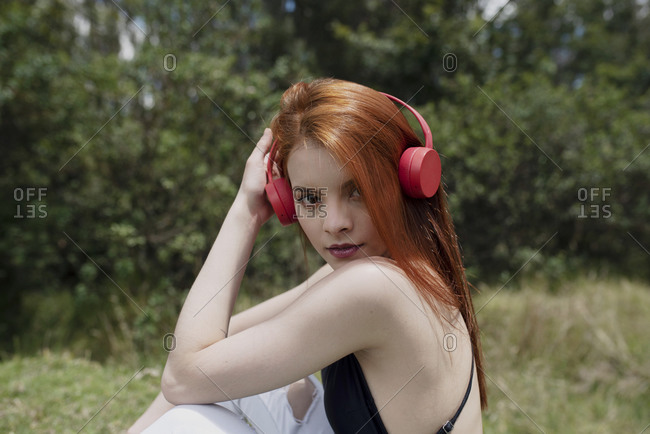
pixel 330 209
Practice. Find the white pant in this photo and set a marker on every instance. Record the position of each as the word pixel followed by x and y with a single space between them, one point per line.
pixel 267 413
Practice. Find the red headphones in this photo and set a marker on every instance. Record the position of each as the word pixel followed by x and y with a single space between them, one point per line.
pixel 419 173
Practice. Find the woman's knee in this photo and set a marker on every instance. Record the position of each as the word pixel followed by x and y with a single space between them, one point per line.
pixel 300 396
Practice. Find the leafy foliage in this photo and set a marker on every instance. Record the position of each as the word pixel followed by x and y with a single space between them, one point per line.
pixel 135 121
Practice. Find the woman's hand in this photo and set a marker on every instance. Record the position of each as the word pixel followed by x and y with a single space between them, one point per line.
pixel 251 192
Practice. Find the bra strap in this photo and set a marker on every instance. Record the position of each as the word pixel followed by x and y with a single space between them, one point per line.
pixel 449 425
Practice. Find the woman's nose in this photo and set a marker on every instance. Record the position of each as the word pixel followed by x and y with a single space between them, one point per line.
pixel 337 217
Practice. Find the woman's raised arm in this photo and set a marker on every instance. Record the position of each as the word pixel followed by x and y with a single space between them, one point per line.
pixel 205 316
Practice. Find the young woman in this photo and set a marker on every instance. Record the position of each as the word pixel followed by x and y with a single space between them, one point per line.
pixel 389 319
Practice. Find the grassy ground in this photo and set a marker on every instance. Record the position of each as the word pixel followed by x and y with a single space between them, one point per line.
pixel 577 361
pixel 573 361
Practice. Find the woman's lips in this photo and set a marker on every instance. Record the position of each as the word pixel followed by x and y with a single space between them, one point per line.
pixel 344 250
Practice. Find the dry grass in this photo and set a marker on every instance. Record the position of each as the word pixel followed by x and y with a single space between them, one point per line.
pixel 573 361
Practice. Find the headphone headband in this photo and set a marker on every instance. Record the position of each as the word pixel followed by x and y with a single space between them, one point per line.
pixel 428 138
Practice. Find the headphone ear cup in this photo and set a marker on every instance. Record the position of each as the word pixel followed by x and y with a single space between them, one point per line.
pixel 280 196
pixel 419 172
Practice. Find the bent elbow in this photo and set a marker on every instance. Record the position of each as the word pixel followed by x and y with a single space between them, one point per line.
pixel 172 388
pixel 182 384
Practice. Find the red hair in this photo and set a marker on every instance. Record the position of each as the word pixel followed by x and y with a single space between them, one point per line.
pixel 367 133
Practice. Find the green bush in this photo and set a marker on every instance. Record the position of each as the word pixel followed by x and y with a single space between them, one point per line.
pixel 141 157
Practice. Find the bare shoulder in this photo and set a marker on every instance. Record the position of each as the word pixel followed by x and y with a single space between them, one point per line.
pixel 370 275
pixel 414 341
pixel 358 286
pixel 378 281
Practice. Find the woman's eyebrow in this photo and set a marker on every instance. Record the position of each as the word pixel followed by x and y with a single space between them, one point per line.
pixel 306 188
pixel 348 185
pixel 312 190
pixel 301 188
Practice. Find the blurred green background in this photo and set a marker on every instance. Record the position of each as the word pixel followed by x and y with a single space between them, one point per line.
pixel 125 126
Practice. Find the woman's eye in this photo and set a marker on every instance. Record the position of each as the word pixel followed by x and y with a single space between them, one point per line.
pixel 355 193
pixel 309 199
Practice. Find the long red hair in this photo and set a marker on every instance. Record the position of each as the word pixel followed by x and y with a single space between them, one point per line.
pixel 366 133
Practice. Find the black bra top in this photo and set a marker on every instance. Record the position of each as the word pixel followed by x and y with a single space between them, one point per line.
pixel 349 405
